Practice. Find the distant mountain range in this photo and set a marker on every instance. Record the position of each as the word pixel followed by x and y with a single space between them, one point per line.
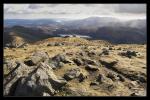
pixel 104 28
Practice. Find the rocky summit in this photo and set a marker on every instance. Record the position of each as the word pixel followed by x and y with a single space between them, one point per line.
pixel 73 66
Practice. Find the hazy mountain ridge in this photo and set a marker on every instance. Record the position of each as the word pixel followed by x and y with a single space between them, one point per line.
pixel 104 28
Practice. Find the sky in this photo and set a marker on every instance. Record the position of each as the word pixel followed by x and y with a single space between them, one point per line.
pixel 74 11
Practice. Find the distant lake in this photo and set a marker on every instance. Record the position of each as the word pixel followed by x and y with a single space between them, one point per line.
pixel 72 35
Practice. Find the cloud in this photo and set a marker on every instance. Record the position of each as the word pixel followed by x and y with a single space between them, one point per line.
pixel 132 8
pixel 35 6
pixel 73 10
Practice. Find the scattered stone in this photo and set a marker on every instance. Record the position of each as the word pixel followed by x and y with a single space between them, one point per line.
pixel 90 54
pixel 70 91
pixel 91 68
pixel 59 58
pixel 137 77
pixel 119 48
pixel 69 53
pixel 121 78
pixel 89 61
pixel 58 61
pixel 94 83
pixel 104 52
pixel 82 77
pixel 72 73
pixel 108 62
pixel 37 57
pixel 78 61
pixel 16 45
pixel 54 64
pixel 51 44
pixel 58 44
pixel 101 78
pixel 55 44
pixel 82 54
pixel 128 54
pixel 112 76
pixel 105 83
pixel 133 84
pixel 139 93
pixel 110 48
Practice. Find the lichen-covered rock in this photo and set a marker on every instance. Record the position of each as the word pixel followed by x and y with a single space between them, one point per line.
pixel 37 57
pixel 71 74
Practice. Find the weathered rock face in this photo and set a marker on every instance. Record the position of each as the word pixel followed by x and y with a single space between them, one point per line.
pixel 34 85
pixel 39 81
pixel 11 78
pixel 32 81
pixel 9 64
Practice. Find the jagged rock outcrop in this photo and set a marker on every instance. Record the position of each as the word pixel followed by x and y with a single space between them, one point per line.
pixel 41 80
pixel 24 80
